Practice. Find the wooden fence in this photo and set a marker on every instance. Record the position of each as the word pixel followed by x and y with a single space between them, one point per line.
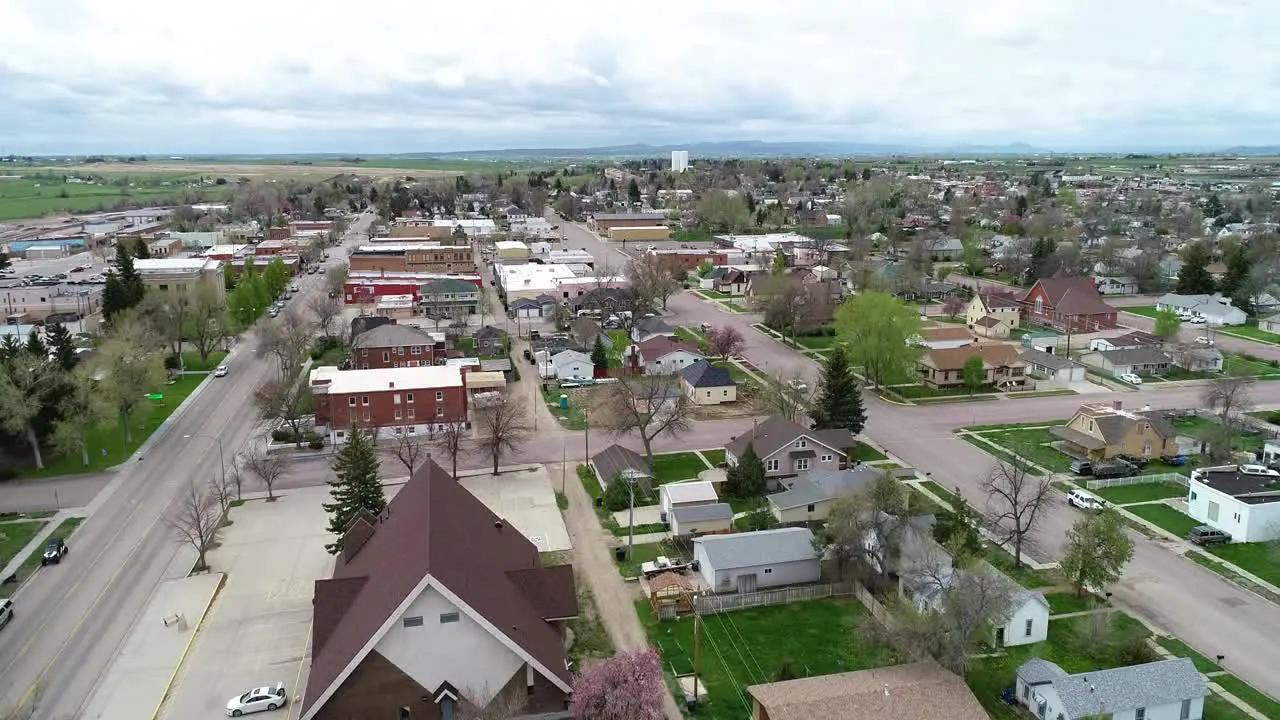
pixel 711 604
pixel 1138 480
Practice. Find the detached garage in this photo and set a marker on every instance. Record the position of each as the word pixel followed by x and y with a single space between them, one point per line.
pixel 746 562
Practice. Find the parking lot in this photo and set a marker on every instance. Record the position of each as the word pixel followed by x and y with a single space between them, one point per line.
pixel 526 498
pixel 258 630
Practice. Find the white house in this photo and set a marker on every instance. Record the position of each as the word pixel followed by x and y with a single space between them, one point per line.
pixel 660 355
pixel 1240 500
pixel 1115 285
pixel 686 494
pixel 1054 369
pixel 564 364
pixel 1270 324
pixel 1164 690
pixel 1215 309
pixel 745 562
pixel 929 571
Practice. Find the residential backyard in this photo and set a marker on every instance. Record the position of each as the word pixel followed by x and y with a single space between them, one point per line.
pixel 1032 444
pixel 672 467
pixel 1144 492
pixel 748 647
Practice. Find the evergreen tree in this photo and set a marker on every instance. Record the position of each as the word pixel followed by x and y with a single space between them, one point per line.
pixel 35 347
pixel 63 346
pixel 124 288
pixel 746 479
pixel 599 358
pixel 1194 277
pixel 839 403
pixel 956 529
pixel 355 488
pixel 633 191
pixel 1213 206
pixel 5 262
pixel 1235 282
pixel 141 251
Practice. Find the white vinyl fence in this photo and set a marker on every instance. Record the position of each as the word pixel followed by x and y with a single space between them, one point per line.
pixel 1138 480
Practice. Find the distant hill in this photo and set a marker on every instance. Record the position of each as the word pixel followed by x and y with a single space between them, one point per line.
pixel 1251 150
pixel 737 148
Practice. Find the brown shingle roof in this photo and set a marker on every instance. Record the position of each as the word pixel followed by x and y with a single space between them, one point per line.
pixel 777 432
pixel 917 691
pixel 996 354
pixel 435 526
pixel 661 345
pixel 1073 296
pixel 989 321
pixel 941 334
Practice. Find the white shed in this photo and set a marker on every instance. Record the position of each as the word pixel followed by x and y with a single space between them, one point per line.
pixel 745 562
pixel 1029 622
pixel 687 494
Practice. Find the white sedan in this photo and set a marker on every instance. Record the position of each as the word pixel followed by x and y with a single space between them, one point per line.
pixel 1202 340
pixel 1131 379
pixel 257 700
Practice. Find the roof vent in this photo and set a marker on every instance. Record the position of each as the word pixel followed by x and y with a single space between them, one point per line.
pixel 497 524
pixel 391 385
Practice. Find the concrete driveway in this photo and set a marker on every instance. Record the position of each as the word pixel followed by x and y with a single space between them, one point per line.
pixel 257 632
pixel 526 499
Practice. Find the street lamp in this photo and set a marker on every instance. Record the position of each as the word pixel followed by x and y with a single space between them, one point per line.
pixel 222 464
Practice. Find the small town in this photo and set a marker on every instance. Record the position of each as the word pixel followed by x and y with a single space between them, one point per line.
pixel 765 430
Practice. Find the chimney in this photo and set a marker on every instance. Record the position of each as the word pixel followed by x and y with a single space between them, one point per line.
pixel 1117 404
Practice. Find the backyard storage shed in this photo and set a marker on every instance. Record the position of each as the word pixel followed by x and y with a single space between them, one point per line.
pixel 701 519
pixel 745 562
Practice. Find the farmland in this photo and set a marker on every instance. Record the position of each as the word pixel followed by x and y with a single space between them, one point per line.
pixel 40 195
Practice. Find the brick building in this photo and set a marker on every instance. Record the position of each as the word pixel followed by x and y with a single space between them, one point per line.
pixel 416 400
pixel 392 346
pixel 602 223
pixel 414 257
pixel 1067 304
pixel 691 258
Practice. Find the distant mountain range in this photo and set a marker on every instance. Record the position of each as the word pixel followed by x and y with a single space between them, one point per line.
pixel 741 148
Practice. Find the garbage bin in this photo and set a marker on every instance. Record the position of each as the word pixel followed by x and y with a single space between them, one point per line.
pixel 599 502
pixel 620 553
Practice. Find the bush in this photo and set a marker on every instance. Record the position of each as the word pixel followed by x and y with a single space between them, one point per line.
pixel 283 435
pixel 1135 650
pixel 316 444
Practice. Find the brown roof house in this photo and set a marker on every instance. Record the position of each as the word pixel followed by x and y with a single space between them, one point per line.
pixel 1067 304
pixel 1003 366
pixel 1106 430
pixel 787 449
pixel 916 691
pixel 436 605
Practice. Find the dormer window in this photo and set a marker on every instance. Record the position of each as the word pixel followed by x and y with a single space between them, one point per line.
pixel 802 443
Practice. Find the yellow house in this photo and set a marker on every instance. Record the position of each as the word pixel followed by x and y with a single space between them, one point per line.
pixel 997 305
pixel 1106 430
pixel 706 384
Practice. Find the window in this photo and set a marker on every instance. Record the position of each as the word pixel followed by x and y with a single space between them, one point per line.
pixel 439 412
pixel 1140 714
pixel 1030 622
pixel 439 396
pixel 768 571
pixel 386 356
pixel 826 457
pixel 401 349
pixel 810 508
pixel 1193 495
pixel 364 400
pixel 408 397
pixel 1213 511
pixel 802 443
pixel 412 621
pixel 449 617
pixel 771 465
pixel 1185 714
pixel 415 350
pixel 364 352
pixel 802 464
pixel 351 401
pixel 397 413
pixel 410 413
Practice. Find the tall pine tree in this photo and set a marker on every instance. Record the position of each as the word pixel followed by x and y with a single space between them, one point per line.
pixel 355 488
pixel 839 403
pixel 599 357
pixel 746 479
pixel 1194 277
pixel 124 288
pixel 62 346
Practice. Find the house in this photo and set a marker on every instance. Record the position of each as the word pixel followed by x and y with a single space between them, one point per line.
pixel 646 328
pixel 1026 620
pixel 1270 324
pixel 733 282
pixel 449 298
pixel 616 460
pixel 787 449
pixel 1241 500
pixel 706 384
pixel 992 327
pixel 691 493
pixel 745 562
pixel 413 400
pixel 435 603
pixel 1002 367
pixel 1129 341
pixel 941 337
pixel 1101 431
pixel 1163 690
pixel 810 496
pixel 1139 361
pixel 1067 304
pixel 569 364
pixel 1197 359
pixel 1002 306
pixel 1052 369
pixel 701 520
pixel 1115 285
pixel 946 249
pixel 393 345
pixel 490 341
pixel 1215 309
pixel 531 308
pixel 916 691
pixel 661 355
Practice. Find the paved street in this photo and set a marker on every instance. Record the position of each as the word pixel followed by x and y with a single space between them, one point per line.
pixel 71 620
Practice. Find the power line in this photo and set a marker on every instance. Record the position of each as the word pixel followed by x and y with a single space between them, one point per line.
pixel 764 678
pixel 737 686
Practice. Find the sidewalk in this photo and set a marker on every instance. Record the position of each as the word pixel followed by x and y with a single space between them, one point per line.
pixel 37 542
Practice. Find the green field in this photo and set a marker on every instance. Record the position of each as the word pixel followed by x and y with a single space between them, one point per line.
pixel 33 198
pixel 1124 494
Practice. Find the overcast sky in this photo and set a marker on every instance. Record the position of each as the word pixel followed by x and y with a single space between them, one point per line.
pixel 255 76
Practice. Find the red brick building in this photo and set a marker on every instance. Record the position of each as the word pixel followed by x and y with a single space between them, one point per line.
pixel 413 257
pixel 1067 304
pixel 691 258
pixel 397 346
pixel 414 400
pixel 603 222
pixel 368 287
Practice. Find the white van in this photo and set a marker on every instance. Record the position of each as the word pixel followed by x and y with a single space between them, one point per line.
pixel 1085 501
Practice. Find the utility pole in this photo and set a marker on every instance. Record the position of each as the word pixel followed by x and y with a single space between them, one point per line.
pixel 586 436
pixel 631 517
pixel 697 627
pixel 564 464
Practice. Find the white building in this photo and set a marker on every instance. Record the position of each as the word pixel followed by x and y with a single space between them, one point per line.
pixel 1215 309
pixel 1240 500
pixel 1163 690
pixel 746 561
pixel 679 160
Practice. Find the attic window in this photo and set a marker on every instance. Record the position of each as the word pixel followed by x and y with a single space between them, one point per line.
pixel 449 617
pixel 412 621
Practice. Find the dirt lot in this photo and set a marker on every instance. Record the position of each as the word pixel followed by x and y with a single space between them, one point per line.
pixel 252 170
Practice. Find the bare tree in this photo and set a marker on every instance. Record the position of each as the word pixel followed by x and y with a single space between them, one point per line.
pixel 220 488
pixel 451 441
pixel 412 449
pixel 209 324
pixel 651 405
pixel 786 393
pixel 503 706
pixel 284 338
pixel 651 279
pixel 235 475
pixel 335 279
pixel 325 310
pixel 288 402
pixel 502 423
pixel 1229 397
pixel 196 520
pixel 866 530
pixel 1016 499
pixel 269 467
pixel 970 604
pixel 726 341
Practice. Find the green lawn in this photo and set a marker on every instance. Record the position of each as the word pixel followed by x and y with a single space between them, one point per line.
pixel 191 361
pixel 110 436
pixel 816 342
pixel 748 647
pixel 1069 602
pixel 921 504
pixel 1238 364
pixel 1250 332
pixel 1261 559
pixel 573 418
pixel 735 307
pixel 1181 649
pixel 671 467
pixel 865 453
pixel 22 199
pixel 715 294
pixel 1176 522
pixel 64 531
pixel 996 452
pixel 736 373
pixel 15 535
pixel 1258 700
pixel 590 482
pixel 1032 445
pixel 691 337
pixel 715 457
pixel 1025 576
pixel 1124 494
pixel 1014 426
pixel 1204 428
pixel 914 392
pixel 1143 310
pixel 941 492
pixel 1216 708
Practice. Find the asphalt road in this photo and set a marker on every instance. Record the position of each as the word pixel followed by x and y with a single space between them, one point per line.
pixel 71 620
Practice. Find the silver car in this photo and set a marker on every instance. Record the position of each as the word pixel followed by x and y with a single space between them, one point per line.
pixel 258 700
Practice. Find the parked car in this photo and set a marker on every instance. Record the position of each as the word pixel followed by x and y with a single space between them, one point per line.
pixel 1197 320
pixel 221 371
pixel 6 611
pixel 1085 500
pixel 1206 341
pixel 1114 469
pixel 1174 460
pixel 54 551
pixel 1130 378
pixel 1134 460
pixel 1205 535
pixel 258 700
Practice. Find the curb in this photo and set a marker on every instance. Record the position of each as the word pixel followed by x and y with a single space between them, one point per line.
pixel 164 427
pixel 195 630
